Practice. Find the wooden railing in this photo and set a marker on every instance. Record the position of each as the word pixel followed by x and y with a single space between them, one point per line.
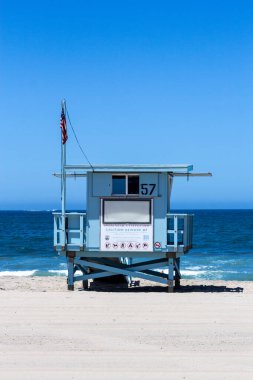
pixel 69 231
pixel 180 231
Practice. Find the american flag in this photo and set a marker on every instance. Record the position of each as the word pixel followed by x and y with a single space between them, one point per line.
pixel 63 126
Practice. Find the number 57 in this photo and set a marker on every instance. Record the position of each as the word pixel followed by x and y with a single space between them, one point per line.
pixel 147 188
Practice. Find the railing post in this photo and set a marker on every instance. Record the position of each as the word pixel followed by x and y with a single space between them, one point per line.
pixel 63 231
pixel 185 231
pixel 175 232
pixel 189 220
pixel 81 231
pixel 55 230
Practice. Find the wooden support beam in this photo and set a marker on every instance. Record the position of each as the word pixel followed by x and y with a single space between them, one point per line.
pixel 103 267
pixel 70 264
pixel 177 273
pixel 170 275
pixel 107 268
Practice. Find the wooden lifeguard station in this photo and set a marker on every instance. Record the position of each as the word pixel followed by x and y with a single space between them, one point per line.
pixel 127 217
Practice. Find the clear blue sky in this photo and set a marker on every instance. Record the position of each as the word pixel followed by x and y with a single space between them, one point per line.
pixel 145 82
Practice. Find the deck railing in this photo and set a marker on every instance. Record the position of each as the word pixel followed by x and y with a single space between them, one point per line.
pixel 180 231
pixel 72 235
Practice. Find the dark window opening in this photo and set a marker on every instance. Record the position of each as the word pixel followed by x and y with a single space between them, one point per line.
pixel 118 184
pixel 133 184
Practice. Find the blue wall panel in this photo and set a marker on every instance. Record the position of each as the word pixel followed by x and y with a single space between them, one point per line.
pixel 160 210
pixel 93 217
pixel 102 184
pixel 99 185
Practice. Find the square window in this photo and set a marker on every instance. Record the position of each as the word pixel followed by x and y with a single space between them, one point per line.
pixel 118 184
pixel 133 184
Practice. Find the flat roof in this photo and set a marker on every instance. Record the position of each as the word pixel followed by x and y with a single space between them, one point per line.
pixel 167 168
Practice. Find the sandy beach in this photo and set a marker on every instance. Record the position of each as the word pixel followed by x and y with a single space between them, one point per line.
pixel 204 331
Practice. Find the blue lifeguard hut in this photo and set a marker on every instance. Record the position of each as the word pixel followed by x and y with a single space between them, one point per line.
pixel 127 228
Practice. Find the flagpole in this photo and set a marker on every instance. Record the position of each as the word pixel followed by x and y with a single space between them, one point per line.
pixel 63 182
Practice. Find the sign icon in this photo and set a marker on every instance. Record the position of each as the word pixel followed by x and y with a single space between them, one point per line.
pixel 115 245
pixel 157 244
pixel 130 245
pixel 145 245
pixel 137 245
pixel 122 245
pixel 107 245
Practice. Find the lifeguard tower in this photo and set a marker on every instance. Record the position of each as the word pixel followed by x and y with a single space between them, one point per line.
pixel 127 228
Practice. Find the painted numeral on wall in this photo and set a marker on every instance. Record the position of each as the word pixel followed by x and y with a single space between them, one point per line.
pixel 147 188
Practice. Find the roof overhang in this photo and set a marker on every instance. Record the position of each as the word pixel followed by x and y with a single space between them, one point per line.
pixel 192 174
pixel 184 168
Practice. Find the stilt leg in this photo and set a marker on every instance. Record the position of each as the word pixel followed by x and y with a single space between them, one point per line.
pixel 85 282
pixel 84 271
pixel 177 274
pixel 85 285
pixel 170 275
pixel 70 264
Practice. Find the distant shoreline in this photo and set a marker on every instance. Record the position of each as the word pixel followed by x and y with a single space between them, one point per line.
pixel 172 210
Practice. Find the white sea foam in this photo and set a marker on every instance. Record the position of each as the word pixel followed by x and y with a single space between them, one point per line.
pixel 59 272
pixel 193 272
pixel 198 267
pixel 18 273
pixel 63 272
pixel 186 272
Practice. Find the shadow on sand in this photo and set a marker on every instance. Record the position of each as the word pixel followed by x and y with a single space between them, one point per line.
pixel 164 289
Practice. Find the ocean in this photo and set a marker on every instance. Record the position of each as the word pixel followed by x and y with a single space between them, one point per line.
pixel 223 245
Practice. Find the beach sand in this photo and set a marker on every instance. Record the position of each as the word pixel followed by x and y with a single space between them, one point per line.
pixel 204 331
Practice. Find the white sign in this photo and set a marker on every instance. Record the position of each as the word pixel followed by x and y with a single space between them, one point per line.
pixel 126 237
